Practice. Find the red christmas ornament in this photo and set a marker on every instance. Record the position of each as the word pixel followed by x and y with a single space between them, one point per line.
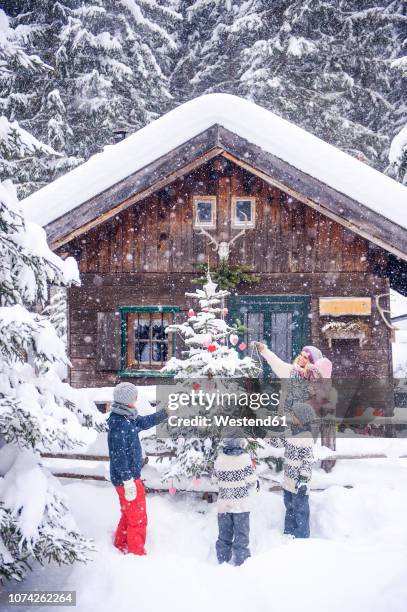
pixel 172 491
pixel 225 311
pixel 242 346
pixel 212 348
pixel 191 312
pixel 196 386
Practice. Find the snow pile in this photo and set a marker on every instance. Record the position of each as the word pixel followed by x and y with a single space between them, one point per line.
pixel 23 489
pixel 250 121
pixel 13 135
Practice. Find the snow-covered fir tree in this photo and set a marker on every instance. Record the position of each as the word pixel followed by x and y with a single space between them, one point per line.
pixel 209 47
pixel 398 157
pixel 110 63
pixel 38 412
pixel 210 362
pixel 56 310
pixel 23 157
pixel 336 69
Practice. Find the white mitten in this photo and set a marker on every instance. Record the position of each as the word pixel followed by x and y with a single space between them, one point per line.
pixel 130 490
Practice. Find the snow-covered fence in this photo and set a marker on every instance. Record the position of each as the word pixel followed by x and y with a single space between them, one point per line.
pixel 95 467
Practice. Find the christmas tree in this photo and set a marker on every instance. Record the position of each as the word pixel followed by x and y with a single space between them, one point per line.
pixel 212 360
pixel 209 339
pixel 38 412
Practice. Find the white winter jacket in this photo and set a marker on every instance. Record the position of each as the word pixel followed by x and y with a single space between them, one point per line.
pixel 234 474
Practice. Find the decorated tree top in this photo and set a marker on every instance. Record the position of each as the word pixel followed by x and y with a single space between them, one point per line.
pixel 209 340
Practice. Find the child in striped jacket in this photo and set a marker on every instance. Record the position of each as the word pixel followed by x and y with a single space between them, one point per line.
pixel 234 474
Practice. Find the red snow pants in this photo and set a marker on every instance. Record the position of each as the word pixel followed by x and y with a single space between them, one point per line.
pixel 130 534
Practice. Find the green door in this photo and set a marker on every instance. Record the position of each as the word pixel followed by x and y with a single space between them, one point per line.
pixel 280 321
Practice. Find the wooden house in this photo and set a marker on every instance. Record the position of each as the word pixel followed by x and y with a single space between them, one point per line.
pixel 324 232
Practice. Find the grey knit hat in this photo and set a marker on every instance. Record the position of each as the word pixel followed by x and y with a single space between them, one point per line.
pixel 125 393
pixel 304 413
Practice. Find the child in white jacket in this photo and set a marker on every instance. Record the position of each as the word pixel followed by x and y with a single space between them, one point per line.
pixel 235 474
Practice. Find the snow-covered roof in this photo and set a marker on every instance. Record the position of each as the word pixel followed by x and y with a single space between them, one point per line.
pixel 259 126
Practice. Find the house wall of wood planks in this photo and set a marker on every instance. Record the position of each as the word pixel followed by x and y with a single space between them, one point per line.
pixel 146 254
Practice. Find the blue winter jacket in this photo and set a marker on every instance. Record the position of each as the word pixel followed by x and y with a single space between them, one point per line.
pixel 124 445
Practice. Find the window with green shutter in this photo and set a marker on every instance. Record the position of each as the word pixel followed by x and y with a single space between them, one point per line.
pixel 146 346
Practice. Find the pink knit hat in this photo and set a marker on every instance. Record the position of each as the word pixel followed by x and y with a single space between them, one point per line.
pixel 324 365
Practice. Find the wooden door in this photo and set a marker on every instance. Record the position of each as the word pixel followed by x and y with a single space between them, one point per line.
pixel 281 322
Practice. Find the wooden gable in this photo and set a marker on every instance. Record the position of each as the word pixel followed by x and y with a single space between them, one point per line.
pixel 157 234
pixel 274 171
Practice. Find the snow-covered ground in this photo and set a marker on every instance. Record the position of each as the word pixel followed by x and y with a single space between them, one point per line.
pixel 354 560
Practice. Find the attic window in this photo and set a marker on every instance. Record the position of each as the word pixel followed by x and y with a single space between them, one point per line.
pixel 205 211
pixel 243 212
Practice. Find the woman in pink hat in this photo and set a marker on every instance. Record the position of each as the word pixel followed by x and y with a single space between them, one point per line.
pixel 308 366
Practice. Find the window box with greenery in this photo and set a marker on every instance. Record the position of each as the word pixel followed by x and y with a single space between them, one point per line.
pixel 145 344
pixel 346 330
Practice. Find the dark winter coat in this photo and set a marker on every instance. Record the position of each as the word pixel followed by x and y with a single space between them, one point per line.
pixel 124 445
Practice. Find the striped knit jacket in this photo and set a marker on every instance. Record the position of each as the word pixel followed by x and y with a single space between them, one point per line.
pixel 234 474
pixel 298 458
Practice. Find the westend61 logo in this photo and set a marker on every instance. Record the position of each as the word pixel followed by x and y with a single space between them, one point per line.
pixel 262 408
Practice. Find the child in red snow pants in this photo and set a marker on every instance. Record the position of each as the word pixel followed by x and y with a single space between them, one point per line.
pixel 131 531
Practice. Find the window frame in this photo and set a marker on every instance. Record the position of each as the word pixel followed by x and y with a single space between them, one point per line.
pixel 148 371
pixel 212 200
pixel 238 224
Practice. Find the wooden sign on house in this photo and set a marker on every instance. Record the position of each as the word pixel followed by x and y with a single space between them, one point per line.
pixel 341 306
pixel 322 225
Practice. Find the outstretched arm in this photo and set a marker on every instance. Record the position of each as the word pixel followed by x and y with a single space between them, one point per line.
pixel 145 422
pixel 279 367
